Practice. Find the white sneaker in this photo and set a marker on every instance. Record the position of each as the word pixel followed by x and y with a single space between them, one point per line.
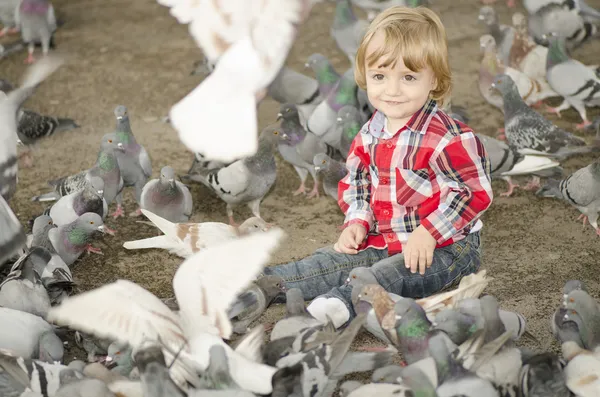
pixel 334 308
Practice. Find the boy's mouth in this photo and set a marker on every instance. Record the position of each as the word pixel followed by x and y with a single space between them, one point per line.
pixel 394 103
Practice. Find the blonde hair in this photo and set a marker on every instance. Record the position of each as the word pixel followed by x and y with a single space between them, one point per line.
pixel 416 34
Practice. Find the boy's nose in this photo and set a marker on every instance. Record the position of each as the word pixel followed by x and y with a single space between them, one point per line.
pixel 393 87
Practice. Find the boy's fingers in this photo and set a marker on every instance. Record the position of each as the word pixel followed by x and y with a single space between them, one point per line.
pixel 422 261
pixel 429 258
pixel 414 261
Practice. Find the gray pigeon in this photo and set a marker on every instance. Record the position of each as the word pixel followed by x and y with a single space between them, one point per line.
pixel 326 75
pixel 40 379
pixel 29 336
pixel 299 147
pixel 542 375
pixel 154 374
pixel 134 162
pixel 506 161
pixel 412 330
pixel 85 388
pixel 72 239
pixel 33 127
pixel 264 290
pixel 333 171
pixel 389 374
pixel 90 199
pixel 580 189
pixel 92 345
pixel 12 236
pixel 533 6
pixel 246 181
pixel 577 83
pixel 106 167
pixel 347 30
pixel 119 358
pixel 563 21
pixel 53 272
pixel 458 326
pixel 567 328
pixel 167 197
pixel 297 317
pixel 503 34
pixel 580 302
pixel 217 376
pixel 8 10
pixel 531 133
pixel 23 289
pixel 349 122
pixel 348 387
pixel 37 21
pixel 324 117
pixel 41 226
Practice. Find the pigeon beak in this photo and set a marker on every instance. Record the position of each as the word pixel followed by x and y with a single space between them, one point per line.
pixel 434 324
pixel 100 192
pixel 101 229
pixel 480 17
pixel 119 117
pixel 307 65
pixel 20 143
pixel 279 116
pixel 317 168
pixel 339 119
pixel 348 279
pixel 172 182
pixel 120 146
pixel 285 137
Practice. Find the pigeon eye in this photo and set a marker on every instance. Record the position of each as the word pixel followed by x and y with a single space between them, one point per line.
pixel 276 132
pixel 571 300
pixel 287 110
pixel 91 222
pixel 354 276
pixel 323 162
pixel 110 141
pixel 573 312
pixel 50 222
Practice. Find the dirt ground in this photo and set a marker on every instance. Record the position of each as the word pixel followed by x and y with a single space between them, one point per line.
pixel 138 55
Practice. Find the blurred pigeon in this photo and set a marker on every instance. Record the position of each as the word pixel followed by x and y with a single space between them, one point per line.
pixel 349 121
pixel 503 34
pixel 167 198
pixel 581 371
pixel 39 231
pixel 297 317
pixel 106 167
pixel 203 293
pixel 119 357
pixel 92 345
pixel 525 54
pixel 12 237
pixel 8 10
pixel 246 181
pixel 580 189
pixel 33 127
pixel 185 239
pixel 506 161
pixel 248 57
pixel 154 374
pixel 325 115
pixel 349 386
pixel 54 273
pixel 37 21
pixel 531 90
pixel 200 163
pixel 299 147
pixel 374 297
pixel 458 326
pixel 85 388
pixel 530 132
pixel 412 330
pixel 347 30
pixel 326 75
pixel 90 199
pixel 573 80
pixel 29 336
pixel 582 304
pixel 134 163
pixel 567 328
pixel 72 239
pixel 333 171
pixel 566 23
pixel 265 290
pixel 23 289
pixel 542 375
pixel 533 6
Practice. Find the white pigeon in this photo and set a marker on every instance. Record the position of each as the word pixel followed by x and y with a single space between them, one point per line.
pixel 205 286
pixel 185 239
pixel 249 41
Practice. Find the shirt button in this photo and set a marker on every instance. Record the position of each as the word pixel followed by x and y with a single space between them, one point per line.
pixel 388 145
pixel 391 236
pixel 386 212
pixel 384 181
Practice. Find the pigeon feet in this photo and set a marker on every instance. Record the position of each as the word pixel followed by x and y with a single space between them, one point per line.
pixel 583 124
pixel 110 231
pixel 93 250
pixel 13 30
pixel 314 192
pixel 118 212
pixel 27 158
pixel 585 219
pixel 300 190
pixel 232 222
pixel 553 110
pixel 510 191
pixel 511 3
pixel 30 59
pixel 534 184
pixel 137 212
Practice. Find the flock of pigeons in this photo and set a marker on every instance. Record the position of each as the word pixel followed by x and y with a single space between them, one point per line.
pixel 456 343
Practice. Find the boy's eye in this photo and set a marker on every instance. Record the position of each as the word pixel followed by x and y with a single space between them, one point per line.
pixel 409 77
pixel 378 77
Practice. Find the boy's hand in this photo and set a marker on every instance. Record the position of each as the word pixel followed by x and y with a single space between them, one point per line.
pixel 350 239
pixel 418 250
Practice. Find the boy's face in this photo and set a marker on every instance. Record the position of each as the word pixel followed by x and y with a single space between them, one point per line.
pixel 397 92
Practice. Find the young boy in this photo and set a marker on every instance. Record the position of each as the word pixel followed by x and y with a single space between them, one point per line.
pixel 418 180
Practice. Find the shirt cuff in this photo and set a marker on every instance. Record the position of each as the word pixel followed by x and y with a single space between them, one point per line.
pixel 364 218
pixel 439 226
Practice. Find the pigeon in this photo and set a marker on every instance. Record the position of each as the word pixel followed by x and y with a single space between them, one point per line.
pixel 297 317
pixel 167 198
pixel 530 132
pixel 154 373
pixel 533 6
pixel 85 387
pixel 374 297
pixel 119 356
pixel 411 329
pixel 525 55
pixel 531 90
pixel 72 239
pixel 29 336
pixel 542 375
pixel 185 239
pixel 567 328
pixel 265 290
pixel 134 163
pixel 325 73
pixel 349 121
pixel 8 9
pixel 33 127
pixel 580 189
pixel 41 225
pixel 503 34
pixel 581 372
pixel 299 147
pixel 325 115
pixel 333 171
pixel 90 199
pixel 106 167
pixel 580 302
pixel 457 325
pixel 12 236
pixel 93 346
pixel 570 78
pixel 248 55
pixel 246 181
pixel 290 86
pixel 23 289
pixel 202 320
pixel 54 273
pixel 347 30
pixel 560 20
pixel 36 21
pixel 506 161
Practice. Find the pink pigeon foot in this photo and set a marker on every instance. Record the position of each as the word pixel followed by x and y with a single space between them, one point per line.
pixel 598 231
pixel 137 212
pixel 585 219
pixel 582 125
pixel 314 192
pixel 232 222
pixel 30 59
pixel 533 184
pixel 118 212
pixel 501 137
pixel 27 158
pixel 553 110
pixel 537 105
pixel 110 231
pixel 13 30
pixel 93 250
pixel 300 190
pixel 511 3
pixel 510 191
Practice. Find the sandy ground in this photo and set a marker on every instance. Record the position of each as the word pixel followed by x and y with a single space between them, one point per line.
pixel 137 55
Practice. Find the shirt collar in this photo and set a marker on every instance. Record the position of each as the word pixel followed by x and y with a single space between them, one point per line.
pixel 419 122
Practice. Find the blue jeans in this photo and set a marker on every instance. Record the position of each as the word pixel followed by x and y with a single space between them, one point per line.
pixel 324 272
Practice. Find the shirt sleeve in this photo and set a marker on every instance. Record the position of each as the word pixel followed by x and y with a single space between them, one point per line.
pixel 463 173
pixel 354 190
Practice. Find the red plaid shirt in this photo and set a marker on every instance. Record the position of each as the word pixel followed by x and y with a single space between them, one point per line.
pixel 433 172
